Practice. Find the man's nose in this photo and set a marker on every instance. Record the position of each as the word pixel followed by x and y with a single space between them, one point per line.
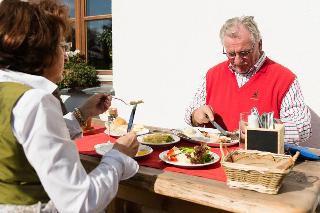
pixel 237 60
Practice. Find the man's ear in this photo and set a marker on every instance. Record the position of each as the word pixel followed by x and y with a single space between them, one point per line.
pixel 260 45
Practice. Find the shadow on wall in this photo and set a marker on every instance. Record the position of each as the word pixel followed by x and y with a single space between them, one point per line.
pixel 76 98
pixel 314 141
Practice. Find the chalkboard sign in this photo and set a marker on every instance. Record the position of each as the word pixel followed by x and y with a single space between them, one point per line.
pixel 269 140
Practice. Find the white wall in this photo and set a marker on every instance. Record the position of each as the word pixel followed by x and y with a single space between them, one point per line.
pixel 162 48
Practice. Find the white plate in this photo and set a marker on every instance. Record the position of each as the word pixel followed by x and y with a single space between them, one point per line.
pixel 122 130
pixel 176 139
pixel 103 148
pixel 163 157
pixel 146 150
pixel 197 137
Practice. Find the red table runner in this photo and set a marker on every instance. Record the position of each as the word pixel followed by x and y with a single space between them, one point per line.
pixel 86 146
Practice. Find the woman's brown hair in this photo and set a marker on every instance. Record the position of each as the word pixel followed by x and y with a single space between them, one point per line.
pixel 30 34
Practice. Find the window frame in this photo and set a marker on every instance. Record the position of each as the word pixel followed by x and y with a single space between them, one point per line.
pixel 80 24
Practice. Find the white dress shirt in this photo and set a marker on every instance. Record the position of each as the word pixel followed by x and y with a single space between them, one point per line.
pixel 39 127
pixel 293 111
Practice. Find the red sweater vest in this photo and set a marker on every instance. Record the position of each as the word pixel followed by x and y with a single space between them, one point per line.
pixel 265 90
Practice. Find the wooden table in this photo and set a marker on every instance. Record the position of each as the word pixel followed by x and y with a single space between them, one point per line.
pixel 154 190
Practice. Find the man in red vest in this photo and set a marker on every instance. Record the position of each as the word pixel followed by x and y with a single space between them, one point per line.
pixel 247 79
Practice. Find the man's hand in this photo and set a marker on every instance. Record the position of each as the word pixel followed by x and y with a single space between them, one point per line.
pixel 95 105
pixel 127 144
pixel 202 115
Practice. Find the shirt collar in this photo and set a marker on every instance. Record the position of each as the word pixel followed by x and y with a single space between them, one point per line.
pixel 255 68
pixel 34 81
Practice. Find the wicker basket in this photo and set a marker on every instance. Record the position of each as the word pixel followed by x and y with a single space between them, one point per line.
pixel 256 170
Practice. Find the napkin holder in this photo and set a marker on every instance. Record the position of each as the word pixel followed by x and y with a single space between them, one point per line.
pixel 269 140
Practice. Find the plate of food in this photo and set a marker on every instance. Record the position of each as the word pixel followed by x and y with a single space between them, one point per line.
pixel 210 136
pixel 103 148
pixel 118 127
pixel 158 139
pixel 190 157
pixel 144 150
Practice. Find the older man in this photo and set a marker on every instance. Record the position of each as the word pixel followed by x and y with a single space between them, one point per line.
pixel 247 79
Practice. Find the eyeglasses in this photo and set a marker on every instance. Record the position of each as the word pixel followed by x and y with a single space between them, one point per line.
pixel 66 46
pixel 241 54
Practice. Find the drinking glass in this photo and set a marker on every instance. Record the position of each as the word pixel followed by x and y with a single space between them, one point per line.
pixel 109 122
pixel 112 114
pixel 243 123
pixel 88 125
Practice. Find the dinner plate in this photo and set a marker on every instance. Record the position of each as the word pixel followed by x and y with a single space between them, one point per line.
pixel 163 157
pixel 194 135
pixel 144 150
pixel 122 130
pixel 103 148
pixel 176 139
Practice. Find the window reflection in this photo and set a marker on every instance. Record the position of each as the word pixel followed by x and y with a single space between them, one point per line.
pixel 73 39
pixel 98 7
pixel 99 44
pixel 70 4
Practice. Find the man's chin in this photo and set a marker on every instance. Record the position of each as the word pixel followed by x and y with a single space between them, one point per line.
pixel 242 71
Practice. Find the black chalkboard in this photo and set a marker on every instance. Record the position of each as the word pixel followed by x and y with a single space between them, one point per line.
pixel 262 140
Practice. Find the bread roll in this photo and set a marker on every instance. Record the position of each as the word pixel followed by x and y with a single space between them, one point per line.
pixel 119 121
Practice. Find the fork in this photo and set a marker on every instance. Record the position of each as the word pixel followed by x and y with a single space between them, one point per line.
pixel 131 103
pixel 119 99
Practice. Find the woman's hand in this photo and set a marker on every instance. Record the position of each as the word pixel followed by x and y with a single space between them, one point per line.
pixel 95 105
pixel 127 144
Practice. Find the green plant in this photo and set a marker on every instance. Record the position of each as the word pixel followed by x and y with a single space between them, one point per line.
pixel 77 73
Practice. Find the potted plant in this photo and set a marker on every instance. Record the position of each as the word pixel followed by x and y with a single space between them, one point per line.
pixel 77 74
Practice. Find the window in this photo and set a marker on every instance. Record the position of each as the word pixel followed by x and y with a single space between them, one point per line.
pixel 92 33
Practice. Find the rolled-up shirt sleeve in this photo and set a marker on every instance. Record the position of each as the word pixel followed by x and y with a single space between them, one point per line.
pixel 295 115
pixel 198 100
pixel 40 128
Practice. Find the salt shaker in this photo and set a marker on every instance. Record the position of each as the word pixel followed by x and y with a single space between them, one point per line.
pixel 253 120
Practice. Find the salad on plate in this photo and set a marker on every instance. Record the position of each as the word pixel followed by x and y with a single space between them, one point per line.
pixel 190 156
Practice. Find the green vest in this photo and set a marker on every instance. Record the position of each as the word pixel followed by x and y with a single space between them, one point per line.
pixel 19 183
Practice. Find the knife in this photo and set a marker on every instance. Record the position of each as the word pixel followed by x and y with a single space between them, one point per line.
pixel 133 111
pixel 216 125
pixel 180 134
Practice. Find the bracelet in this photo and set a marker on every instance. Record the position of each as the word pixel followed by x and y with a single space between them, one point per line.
pixel 78 116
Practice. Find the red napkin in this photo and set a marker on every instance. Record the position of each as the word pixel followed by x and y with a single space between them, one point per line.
pixel 214 171
pixel 91 138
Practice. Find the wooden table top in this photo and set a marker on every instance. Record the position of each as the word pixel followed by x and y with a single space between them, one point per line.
pixel 299 192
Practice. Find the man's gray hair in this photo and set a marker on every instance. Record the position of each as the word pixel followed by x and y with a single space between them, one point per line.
pixel 230 28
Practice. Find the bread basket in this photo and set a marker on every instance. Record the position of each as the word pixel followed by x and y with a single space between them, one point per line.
pixel 256 170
